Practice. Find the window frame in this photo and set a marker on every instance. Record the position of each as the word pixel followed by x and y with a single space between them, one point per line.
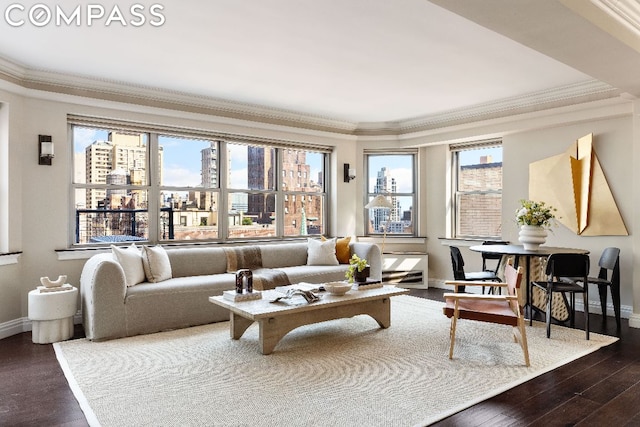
pixel 456 194
pixel 155 188
pixel 413 153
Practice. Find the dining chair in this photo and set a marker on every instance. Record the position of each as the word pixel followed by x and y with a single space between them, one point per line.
pixel 500 309
pixel 457 262
pixel 560 267
pixel 491 257
pixel 608 277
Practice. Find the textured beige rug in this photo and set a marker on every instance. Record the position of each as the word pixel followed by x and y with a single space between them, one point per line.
pixel 343 372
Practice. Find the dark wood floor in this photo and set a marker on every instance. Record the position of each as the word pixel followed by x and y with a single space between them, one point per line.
pixel 600 389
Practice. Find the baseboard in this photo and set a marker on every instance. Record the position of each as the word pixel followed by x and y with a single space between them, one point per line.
pixel 14 327
pixel 18 326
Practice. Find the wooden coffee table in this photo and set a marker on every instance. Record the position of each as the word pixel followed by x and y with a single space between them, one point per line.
pixel 275 320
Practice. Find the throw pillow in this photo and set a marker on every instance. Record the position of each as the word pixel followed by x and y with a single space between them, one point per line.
pixel 130 259
pixel 343 253
pixel 157 266
pixel 322 253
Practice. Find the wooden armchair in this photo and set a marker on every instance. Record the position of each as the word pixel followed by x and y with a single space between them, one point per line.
pixel 503 309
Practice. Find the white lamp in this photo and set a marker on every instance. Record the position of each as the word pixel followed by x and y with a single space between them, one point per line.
pixel 380 202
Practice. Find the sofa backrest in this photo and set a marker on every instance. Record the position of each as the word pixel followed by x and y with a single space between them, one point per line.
pixel 283 254
pixel 197 261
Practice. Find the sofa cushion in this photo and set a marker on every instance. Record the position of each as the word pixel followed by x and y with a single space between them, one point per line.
pixel 130 259
pixel 156 264
pixel 322 253
pixel 315 274
pixel 280 254
pixel 199 261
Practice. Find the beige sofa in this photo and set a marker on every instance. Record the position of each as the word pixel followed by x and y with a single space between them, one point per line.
pixel 111 309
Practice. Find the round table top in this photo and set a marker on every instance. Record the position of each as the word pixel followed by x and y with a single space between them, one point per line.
pixel 520 250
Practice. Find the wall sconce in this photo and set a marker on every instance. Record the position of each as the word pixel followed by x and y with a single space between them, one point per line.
pixel 45 150
pixel 349 173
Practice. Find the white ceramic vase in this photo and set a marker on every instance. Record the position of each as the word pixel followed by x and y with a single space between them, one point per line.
pixel 532 236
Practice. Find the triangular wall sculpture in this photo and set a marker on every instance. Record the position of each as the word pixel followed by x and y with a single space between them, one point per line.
pixel 574 183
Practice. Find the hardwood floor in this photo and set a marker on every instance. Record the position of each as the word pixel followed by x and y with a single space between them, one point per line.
pixel 600 389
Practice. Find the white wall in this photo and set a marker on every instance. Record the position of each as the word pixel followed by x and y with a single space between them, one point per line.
pixel 40 196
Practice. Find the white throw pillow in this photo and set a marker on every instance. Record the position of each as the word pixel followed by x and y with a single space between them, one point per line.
pixel 156 264
pixel 322 253
pixel 130 259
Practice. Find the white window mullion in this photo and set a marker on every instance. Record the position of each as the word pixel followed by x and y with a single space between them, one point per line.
pixel 153 188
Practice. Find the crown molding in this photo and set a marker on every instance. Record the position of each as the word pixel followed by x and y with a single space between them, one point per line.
pixel 592 90
pixel 44 80
pixel 47 81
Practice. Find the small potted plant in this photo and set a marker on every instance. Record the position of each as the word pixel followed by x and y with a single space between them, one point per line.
pixel 358 270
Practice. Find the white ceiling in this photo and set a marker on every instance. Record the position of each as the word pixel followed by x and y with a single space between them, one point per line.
pixel 355 61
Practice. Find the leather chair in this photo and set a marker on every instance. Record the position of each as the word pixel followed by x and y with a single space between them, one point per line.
pixel 501 309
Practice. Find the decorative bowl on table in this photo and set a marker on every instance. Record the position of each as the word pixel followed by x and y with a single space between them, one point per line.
pixel 338 288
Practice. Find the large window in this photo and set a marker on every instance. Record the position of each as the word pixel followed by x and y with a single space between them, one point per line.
pixel 477 190
pixel 164 186
pixel 391 175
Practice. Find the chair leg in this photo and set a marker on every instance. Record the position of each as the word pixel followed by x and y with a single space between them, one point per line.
pixel 452 335
pixel 586 313
pixel 548 314
pixel 615 296
pixel 572 314
pixel 521 338
pixel 602 291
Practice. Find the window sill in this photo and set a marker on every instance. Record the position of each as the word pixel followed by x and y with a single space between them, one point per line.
pixel 9 258
pixel 451 241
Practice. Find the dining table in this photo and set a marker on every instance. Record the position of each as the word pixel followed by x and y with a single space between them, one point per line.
pixel 519 251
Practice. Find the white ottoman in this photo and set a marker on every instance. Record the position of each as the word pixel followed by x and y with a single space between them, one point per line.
pixel 52 315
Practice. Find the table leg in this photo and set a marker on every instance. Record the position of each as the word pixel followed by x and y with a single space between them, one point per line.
pixel 273 329
pixel 529 291
pixel 239 325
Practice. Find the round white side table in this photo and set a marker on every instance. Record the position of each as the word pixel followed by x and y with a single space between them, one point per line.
pixel 52 314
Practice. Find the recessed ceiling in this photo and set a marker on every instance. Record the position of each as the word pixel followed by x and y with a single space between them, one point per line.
pixel 356 60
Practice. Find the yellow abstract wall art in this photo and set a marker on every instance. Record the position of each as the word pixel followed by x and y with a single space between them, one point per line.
pixel 575 184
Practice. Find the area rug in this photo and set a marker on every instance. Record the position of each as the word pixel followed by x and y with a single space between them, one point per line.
pixel 338 373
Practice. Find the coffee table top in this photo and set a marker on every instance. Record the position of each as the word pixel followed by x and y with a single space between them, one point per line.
pixel 261 308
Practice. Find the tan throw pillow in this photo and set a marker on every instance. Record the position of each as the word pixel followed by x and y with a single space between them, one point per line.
pixel 343 253
pixel 321 253
pixel 157 266
pixel 130 259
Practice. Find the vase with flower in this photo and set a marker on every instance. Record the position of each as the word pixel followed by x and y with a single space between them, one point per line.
pixel 534 218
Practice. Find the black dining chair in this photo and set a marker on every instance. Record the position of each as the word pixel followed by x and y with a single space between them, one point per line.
pixel 560 267
pixel 497 258
pixel 457 262
pixel 608 277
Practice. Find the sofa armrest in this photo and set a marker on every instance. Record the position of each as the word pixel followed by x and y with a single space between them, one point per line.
pixel 103 289
pixel 370 252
